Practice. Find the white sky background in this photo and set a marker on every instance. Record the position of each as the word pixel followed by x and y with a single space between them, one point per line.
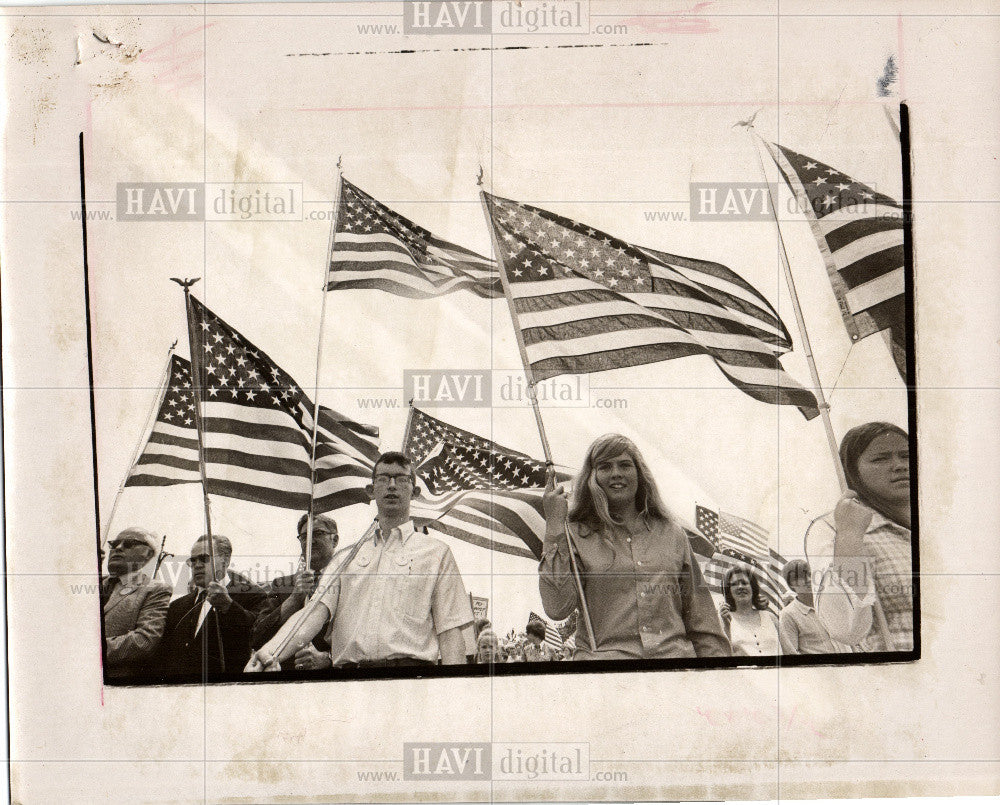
pixel 571 131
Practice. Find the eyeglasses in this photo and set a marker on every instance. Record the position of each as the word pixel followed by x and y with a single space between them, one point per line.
pixel 126 543
pixel 384 478
pixel 198 560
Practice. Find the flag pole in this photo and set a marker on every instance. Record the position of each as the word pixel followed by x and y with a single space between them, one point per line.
pixel 319 362
pixel 824 406
pixel 314 602
pixel 407 427
pixel 161 556
pixel 517 331
pixel 143 436
pixel 529 376
pixel 197 376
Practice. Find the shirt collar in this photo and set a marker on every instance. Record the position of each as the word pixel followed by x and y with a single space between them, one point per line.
pixel 803 606
pixel 405 531
pixel 879 520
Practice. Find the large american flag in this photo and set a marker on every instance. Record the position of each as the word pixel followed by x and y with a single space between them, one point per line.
pixel 477 490
pixel 860 234
pixel 375 247
pixel 257 429
pixel 587 302
pixel 740 542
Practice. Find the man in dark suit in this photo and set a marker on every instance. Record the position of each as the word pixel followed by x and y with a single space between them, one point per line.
pixel 134 606
pixel 286 595
pixel 208 630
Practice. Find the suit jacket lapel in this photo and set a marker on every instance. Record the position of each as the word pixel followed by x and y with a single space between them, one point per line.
pixel 118 594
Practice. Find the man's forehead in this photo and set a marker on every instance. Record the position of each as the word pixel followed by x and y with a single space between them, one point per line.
pixel 319 529
pixel 393 465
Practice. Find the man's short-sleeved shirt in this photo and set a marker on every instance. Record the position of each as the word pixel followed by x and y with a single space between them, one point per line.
pixel 398 594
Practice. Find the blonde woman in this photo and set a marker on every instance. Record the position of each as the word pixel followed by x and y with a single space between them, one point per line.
pixel 644 590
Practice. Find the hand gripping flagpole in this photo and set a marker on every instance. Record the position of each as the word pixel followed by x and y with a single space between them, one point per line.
pixel 824 406
pixel 198 380
pixel 314 602
pixel 584 610
pixel 143 437
pixel 319 362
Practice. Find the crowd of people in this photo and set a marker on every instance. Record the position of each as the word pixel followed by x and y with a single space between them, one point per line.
pixel 615 564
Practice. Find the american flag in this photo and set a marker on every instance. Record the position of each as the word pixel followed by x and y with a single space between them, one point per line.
pixel 375 247
pixel 739 542
pixel 477 490
pixel 587 302
pixel 860 235
pixel 257 428
pixel 730 531
pixel 552 636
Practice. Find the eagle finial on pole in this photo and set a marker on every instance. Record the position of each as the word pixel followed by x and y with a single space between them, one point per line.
pixel 748 123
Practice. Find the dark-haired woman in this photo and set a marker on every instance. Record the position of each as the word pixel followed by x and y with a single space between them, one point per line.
pixel 752 627
pixel 865 596
pixel 643 587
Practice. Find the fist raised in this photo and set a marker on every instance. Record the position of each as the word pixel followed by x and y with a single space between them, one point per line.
pixel 851 519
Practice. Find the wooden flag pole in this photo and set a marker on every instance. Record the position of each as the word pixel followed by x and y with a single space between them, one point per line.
pixel 529 376
pixel 310 607
pixel 319 363
pixel 161 556
pixel 517 331
pixel 406 429
pixel 143 437
pixel 197 377
pixel 824 406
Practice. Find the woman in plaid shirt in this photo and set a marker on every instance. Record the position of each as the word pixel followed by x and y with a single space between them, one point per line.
pixel 865 594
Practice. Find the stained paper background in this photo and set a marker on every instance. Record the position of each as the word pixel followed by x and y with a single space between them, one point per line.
pixel 603 128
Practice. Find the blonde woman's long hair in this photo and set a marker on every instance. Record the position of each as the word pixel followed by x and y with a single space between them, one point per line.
pixel 590 504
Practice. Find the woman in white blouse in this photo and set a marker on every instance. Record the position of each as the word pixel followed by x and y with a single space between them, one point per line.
pixel 751 626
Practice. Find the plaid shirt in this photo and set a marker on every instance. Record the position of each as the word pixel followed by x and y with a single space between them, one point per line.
pixel 888 551
pixel 889 548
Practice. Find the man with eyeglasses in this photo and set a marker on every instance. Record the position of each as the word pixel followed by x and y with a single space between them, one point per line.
pixel 133 605
pixel 286 595
pixel 400 602
pixel 208 630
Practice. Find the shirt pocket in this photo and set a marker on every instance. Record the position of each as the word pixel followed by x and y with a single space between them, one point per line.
pixel 412 587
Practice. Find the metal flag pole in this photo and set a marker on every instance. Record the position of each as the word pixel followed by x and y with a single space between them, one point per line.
pixel 824 406
pixel 319 362
pixel 529 376
pixel 143 437
pixel 198 379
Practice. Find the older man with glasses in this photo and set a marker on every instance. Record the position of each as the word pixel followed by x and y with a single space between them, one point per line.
pixel 133 605
pixel 400 601
pixel 286 595
pixel 208 630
